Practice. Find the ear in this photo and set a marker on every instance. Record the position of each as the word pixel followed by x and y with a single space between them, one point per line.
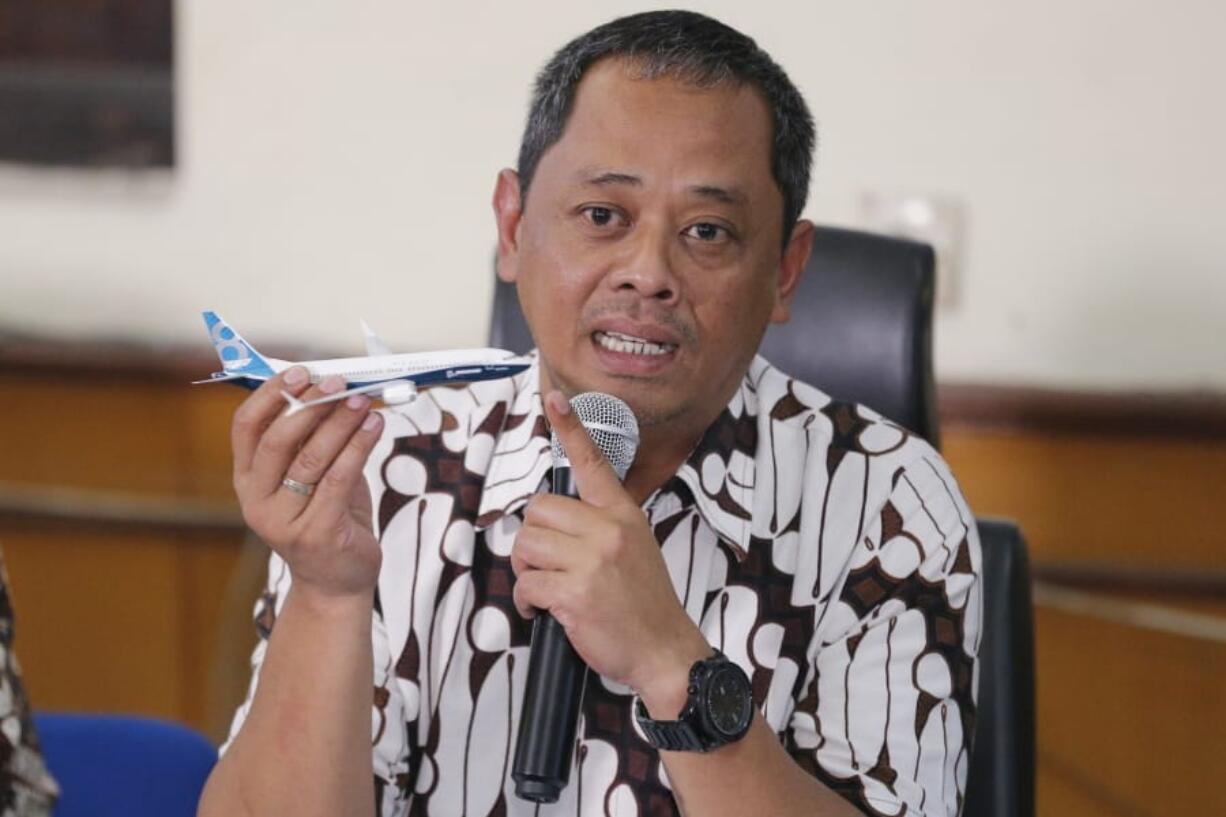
pixel 791 267
pixel 508 207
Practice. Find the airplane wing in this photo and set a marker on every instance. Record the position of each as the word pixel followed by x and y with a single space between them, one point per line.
pixel 375 347
pixel 222 377
pixel 405 388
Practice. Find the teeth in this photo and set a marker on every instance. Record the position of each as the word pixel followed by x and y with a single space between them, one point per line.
pixel 628 344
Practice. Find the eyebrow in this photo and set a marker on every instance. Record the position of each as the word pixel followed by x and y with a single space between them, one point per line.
pixel 611 177
pixel 724 195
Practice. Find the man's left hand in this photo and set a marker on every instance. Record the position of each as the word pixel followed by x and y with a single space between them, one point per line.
pixel 595 565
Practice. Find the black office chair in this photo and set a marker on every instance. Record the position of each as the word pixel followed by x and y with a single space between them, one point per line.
pixel 861 330
pixel 1001 774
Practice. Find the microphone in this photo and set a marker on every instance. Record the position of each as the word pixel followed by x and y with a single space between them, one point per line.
pixel 556 673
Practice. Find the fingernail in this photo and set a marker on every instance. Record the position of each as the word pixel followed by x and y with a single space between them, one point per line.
pixel 560 404
pixel 332 384
pixel 372 421
pixel 296 376
pixel 358 401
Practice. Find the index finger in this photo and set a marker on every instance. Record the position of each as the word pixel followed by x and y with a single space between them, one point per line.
pixel 258 411
pixel 597 481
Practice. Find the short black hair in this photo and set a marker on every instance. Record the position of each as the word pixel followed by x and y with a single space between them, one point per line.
pixel 692 48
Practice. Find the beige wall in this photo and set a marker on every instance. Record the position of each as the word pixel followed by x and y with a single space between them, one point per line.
pixel 336 161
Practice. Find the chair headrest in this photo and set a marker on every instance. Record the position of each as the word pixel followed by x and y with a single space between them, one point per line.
pixel 861 326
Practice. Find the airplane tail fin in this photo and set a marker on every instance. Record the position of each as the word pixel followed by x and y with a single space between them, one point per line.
pixel 238 357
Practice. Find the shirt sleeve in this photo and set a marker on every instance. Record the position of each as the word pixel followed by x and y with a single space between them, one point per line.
pixel 888 714
pixel 389 735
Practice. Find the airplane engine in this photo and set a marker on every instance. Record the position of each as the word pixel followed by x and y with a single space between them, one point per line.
pixel 399 393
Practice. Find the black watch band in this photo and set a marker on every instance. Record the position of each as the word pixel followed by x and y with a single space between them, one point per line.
pixel 718 711
pixel 672 736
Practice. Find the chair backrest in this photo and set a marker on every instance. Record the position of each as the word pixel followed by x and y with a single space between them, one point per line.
pixel 508 329
pixel 120 766
pixel 1000 780
pixel 861 326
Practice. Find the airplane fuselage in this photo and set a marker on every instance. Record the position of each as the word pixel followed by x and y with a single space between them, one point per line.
pixel 424 368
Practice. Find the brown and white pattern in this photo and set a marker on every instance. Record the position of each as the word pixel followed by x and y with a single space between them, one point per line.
pixel 26 787
pixel 822 548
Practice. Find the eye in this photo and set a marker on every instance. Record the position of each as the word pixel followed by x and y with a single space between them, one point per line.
pixel 707 233
pixel 599 215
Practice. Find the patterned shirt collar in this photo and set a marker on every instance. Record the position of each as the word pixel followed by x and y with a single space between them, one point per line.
pixel 718 476
pixel 521 456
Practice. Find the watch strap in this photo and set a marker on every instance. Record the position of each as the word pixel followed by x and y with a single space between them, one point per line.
pixel 672 736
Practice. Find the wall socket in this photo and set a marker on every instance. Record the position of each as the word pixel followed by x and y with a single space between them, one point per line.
pixel 931 218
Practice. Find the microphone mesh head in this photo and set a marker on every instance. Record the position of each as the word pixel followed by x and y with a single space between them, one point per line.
pixel 611 425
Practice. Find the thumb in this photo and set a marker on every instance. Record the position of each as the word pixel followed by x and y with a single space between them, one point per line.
pixel 597 481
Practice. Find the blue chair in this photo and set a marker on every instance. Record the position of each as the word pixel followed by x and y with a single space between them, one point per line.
pixel 122 766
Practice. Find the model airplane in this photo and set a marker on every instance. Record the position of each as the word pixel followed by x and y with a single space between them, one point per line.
pixel 394 379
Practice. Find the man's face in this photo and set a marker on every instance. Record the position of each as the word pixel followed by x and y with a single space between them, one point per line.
pixel 648 256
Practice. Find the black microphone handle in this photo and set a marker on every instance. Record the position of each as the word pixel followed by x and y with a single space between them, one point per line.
pixel 550 714
pixel 552 697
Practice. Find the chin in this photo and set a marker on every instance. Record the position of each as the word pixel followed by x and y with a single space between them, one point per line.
pixel 649 408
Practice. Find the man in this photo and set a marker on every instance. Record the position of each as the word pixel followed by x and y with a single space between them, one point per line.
pixel 652 230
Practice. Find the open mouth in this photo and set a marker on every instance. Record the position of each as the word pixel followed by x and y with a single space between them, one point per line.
pixel 630 345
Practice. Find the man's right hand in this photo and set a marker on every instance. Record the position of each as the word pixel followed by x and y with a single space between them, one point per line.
pixel 326 538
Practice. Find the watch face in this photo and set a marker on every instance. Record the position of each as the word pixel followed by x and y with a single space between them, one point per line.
pixel 729 701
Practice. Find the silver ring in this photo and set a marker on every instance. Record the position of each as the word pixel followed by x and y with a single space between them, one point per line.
pixel 300 488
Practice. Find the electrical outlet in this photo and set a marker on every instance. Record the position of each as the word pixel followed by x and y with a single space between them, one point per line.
pixel 937 220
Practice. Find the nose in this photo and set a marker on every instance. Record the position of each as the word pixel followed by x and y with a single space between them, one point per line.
pixel 648 268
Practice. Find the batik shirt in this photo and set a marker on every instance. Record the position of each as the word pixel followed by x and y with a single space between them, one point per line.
pixel 26 787
pixel 822 548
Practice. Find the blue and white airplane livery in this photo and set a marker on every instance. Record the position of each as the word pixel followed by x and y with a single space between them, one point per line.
pixel 392 378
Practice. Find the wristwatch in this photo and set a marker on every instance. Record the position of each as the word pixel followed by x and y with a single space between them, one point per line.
pixel 718 711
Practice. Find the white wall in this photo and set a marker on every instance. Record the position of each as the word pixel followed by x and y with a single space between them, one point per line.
pixel 337 159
